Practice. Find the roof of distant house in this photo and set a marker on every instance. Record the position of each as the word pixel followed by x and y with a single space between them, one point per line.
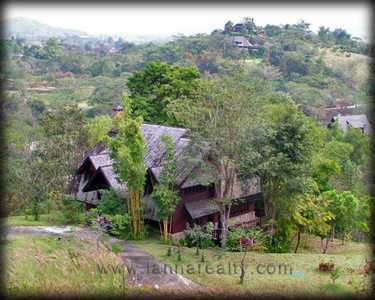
pixel 356 121
pixel 240 41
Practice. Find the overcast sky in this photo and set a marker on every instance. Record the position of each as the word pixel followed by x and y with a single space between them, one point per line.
pixel 171 19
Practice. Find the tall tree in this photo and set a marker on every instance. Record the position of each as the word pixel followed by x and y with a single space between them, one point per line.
pixel 127 150
pixel 165 195
pixel 157 86
pixel 280 156
pixel 63 145
pixel 219 118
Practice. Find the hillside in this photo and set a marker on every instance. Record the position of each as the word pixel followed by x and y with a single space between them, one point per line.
pixel 33 30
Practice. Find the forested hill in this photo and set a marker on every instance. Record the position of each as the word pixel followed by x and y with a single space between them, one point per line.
pixel 320 72
pixel 34 31
pixel 28 29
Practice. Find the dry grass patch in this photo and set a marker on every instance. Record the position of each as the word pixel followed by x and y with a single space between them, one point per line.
pixel 46 266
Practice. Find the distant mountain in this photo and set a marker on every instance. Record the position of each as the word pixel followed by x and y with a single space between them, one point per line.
pixel 33 30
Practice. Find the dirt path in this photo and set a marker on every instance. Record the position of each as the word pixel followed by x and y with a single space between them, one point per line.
pixel 148 270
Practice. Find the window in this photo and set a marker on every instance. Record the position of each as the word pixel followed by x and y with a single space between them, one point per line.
pixel 194 189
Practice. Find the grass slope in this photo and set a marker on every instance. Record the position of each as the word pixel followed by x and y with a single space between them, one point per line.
pixel 44 220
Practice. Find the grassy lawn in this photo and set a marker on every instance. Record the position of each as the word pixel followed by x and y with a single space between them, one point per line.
pixel 44 220
pixel 305 280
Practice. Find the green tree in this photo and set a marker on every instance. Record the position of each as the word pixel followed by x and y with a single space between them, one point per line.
pixel 218 134
pixel 285 154
pixel 98 128
pixel 103 66
pixel 157 86
pixel 52 47
pixel 347 214
pixel 228 27
pixel 323 172
pixel 63 146
pixel 127 150
pixel 165 195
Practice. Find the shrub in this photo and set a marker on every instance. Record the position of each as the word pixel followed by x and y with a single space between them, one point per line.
pixel 234 236
pixel 111 202
pixel 119 225
pixel 278 243
pixel 35 210
pixel 200 236
pixel 72 211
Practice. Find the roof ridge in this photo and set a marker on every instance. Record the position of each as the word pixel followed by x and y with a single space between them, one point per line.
pixel 165 126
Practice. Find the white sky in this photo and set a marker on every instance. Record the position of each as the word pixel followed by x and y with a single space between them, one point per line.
pixel 169 18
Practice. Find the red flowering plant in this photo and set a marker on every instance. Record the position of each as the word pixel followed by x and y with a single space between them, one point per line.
pixel 363 284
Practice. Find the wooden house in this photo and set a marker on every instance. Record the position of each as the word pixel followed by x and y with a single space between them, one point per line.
pixel 95 172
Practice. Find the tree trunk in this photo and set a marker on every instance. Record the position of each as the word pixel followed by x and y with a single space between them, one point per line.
pixel 326 247
pixel 161 231
pixel 140 219
pixel 242 272
pixel 333 233
pixel 170 226
pixel 298 240
pixel 242 276
pixel 274 206
pixel 223 233
pixel 327 243
pixel 165 220
pixel 343 237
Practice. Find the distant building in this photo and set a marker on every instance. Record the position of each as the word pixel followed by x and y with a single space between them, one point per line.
pixel 238 27
pixel 356 121
pixel 113 50
pixel 241 42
